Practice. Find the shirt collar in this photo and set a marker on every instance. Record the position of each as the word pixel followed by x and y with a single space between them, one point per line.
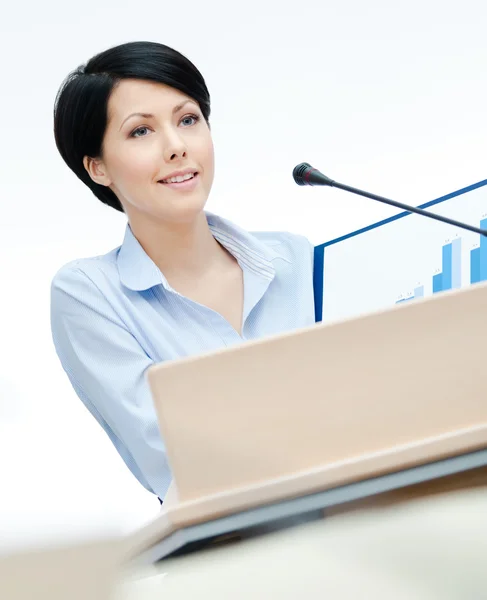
pixel 138 272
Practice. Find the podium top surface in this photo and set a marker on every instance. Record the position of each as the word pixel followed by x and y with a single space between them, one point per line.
pixel 325 406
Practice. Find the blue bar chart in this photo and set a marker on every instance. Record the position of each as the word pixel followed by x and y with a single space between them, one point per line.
pixel 450 275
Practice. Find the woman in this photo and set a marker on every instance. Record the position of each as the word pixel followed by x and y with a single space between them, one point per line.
pixel 133 125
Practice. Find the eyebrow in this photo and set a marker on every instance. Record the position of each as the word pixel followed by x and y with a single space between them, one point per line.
pixel 151 116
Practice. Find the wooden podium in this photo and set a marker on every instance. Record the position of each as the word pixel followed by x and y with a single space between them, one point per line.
pixel 377 409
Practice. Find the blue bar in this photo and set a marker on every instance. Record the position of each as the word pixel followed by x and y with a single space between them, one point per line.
pixel 437 283
pixel 475 265
pixel 447 266
pixel 483 252
pixel 419 291
pixel 456 263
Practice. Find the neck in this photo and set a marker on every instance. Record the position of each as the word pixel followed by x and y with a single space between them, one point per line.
pixel 177 249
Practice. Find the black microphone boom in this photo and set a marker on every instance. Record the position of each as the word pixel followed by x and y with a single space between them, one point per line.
pixel 305 174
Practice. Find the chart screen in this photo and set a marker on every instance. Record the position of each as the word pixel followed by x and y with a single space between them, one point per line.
pixel 403 258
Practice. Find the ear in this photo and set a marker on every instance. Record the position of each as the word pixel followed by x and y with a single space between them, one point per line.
pixel 97 171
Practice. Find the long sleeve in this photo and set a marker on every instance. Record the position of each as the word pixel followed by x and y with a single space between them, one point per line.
pixel 107 367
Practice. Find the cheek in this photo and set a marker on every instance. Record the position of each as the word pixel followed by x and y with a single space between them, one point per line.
pixel 135 163
pixel 206 152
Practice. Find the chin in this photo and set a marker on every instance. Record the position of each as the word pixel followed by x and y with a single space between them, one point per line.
pixel 183 209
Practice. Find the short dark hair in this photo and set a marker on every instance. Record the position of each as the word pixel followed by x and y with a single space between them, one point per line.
pixel 80 108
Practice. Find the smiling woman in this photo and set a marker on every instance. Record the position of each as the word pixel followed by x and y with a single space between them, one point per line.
pixel 133 125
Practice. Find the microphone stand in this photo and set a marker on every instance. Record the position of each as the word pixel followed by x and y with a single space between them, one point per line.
pixel 305 174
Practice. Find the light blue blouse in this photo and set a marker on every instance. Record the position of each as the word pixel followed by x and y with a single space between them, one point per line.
pixel 113 316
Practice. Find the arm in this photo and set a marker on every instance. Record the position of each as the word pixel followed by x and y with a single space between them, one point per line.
pixel 107 369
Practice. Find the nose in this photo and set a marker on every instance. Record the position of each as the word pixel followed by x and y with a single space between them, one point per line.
pixel 175 146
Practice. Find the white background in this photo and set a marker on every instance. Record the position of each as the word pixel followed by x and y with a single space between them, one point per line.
pixel 386 96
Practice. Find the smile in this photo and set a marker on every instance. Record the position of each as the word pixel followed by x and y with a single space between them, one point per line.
pixel 181 182
pixel 179 178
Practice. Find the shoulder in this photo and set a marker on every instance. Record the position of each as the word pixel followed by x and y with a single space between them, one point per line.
pixel 290 246
pixel 85 294
pixel 77 276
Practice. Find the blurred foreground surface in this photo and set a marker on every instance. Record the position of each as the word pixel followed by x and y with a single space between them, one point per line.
pixel 425 549
pixel 430 548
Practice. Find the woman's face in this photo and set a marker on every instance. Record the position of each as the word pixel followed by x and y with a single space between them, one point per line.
pixel 155 132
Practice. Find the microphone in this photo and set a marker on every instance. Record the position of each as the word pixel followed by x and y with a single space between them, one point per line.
pixel 305 174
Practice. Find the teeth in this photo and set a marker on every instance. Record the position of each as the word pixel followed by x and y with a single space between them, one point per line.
pixel 179 178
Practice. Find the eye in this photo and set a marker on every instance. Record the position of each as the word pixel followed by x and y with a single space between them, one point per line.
pixel 137 131
pixel 189 120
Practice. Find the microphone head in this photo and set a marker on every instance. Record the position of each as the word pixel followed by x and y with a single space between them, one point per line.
pixel 299 172
pixel 305 174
